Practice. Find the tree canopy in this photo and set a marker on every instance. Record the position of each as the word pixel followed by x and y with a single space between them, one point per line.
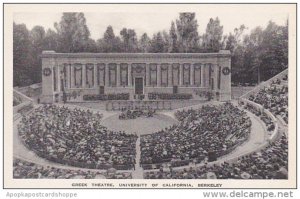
pixel 73 33
pixel 213 36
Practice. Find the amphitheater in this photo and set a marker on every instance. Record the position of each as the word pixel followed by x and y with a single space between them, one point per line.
pixel 198 138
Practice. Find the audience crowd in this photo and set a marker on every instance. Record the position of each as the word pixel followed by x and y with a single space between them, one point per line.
pixel 274 98
pixel 217 129
pixel 24 169
pixel 133 114
pixel 76 137
pixel 269 163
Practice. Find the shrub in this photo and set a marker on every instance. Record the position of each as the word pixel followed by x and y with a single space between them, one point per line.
pixel 169 96
pixel 103 97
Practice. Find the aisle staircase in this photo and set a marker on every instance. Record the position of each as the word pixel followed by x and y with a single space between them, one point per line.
pixel 138 172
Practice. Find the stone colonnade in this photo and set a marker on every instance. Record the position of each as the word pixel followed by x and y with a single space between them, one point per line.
pixel 128 72
pixel 93 75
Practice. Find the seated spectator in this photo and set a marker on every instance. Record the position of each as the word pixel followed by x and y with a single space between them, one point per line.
pixel 133 114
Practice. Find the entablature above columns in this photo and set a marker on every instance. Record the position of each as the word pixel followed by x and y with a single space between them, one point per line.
pixel 147 58
pixel 137 61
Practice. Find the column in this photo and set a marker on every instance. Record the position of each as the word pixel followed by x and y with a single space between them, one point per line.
pixel 58 79
pixel 129 75
pixel 192 74
pixel 118 75
pixel 95 76
pixel 180 75
pixel 216 72
pixel 72 76
pixel 68 76
pixel 170 83
pixel 208 77
pixel 202 75
pixel 52 78
pixel 158 75
pixel 106 75
pixel 147 74
pixel 83 75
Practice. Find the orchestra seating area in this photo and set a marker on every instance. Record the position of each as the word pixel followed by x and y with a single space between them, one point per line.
pixel 128 114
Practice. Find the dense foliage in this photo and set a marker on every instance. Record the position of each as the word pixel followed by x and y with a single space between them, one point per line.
pixel 169 96
pixel 103 97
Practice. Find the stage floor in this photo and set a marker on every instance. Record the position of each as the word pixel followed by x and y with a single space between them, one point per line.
pixel 141 125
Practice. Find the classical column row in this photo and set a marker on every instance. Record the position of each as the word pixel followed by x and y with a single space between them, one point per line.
pixel 204 79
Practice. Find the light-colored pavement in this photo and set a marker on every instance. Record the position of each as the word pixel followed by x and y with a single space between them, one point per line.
pixel 141 125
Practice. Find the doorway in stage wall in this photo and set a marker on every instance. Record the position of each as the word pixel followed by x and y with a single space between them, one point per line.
pixel 139 85
pixel 101 90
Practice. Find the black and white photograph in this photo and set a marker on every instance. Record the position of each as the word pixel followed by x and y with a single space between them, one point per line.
pixel 127 95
